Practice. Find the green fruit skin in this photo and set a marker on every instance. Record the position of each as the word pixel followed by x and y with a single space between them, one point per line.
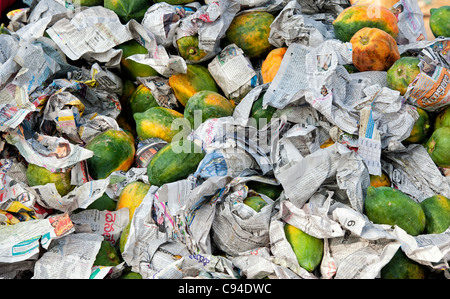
pixel 37 175
pixel 420 129
pixel 107 255
pixel 271 191
pixel 386 205
pixel 438 147
pixel 402 73
pixel 123 238
pixel 189 49
pixel 437 214
pixel 250 32
pixel 210 103
pixel 443 118
pixel 112 149
pixel 132 69
pixel 175 161
pixel 156 117
pixel 308 249
pixel 355 18
pixel 255 202
pixel 402 267
pixel 142 99
pixel 439 24
pixel 174 2
pixel 91 2
pixel 131 275
pixel 128 9
pixel 199 78
pixel 258 113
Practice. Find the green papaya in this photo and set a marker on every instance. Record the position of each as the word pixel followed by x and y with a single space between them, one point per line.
pixel 269 190
pixel 439 24
pixel 443 118
pixel 175 161
pixel 386 205
pixel 260 115
pixel 438 147
pixel 107 255
pixel 255 202
pixel 402 267
pixel 307 249
pixel 437 214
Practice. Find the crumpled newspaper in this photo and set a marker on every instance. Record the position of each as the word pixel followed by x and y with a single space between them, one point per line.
pixel 199 227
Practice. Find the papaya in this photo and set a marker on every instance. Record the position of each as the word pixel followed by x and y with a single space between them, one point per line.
pixel 128 9
pixel 113 150
pixel 157 122
pixel 209 104
pixel 439 24
pixel 142 99
pixel 271 64
pixel 131 196
pixel 255 202
pixel 373 50
pixel 260 115
pixel 189 49
pixel 3 30
pixel 197 78
pixel 175 161
pixel 89 2
pixel 37 175
pixel 385 3
pixel 269 190
pixel 438 147
pixel 124 237
pixel 307 249
pixel 131 275
pixel 420 129
pixel 402 73
pixel 103 203
pixel 250 32
pixel 380 180
pixel 107 255
pixel 128 89
pixel 130 68
pixel 387 205
pixel 437 213
pixel 354 18
pixel 402 267
pixel 174 2
pixel 442 118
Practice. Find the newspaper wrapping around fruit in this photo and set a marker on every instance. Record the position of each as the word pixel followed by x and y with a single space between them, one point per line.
pixel 21 241
pixel 76 252
pixel 162 19
pixel 178 225
pixel 233 72
pixel 430 90
pixel 291 26
pixel 209 23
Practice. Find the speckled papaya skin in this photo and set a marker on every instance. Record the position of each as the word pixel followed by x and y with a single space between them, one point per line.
pixel 250 32
pixel 156 122
pixel 354 18
pixel 175 161
pixel 113 150
pixel 373 50
pixel 211 105
pixel 197 78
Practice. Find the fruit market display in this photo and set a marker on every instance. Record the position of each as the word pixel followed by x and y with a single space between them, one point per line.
pixel 230 139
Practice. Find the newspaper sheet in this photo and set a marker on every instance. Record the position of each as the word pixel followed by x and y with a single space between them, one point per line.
pixel 70 257
pixel 233 72
pixel 209 23
pixel 109 224
pixel 21 241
